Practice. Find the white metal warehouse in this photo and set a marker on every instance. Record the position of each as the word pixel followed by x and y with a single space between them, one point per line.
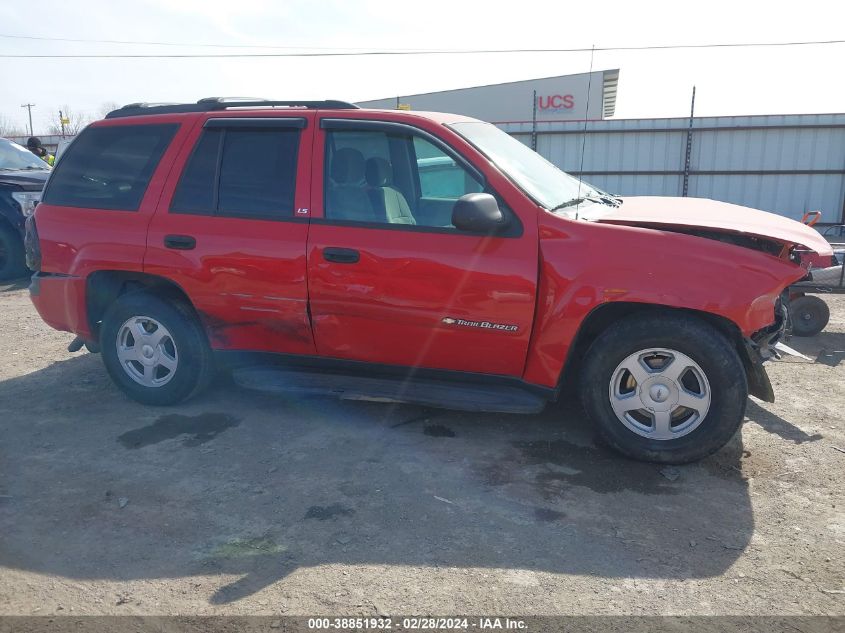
pixel 787 164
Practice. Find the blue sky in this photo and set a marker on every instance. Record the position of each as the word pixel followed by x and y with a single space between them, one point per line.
pixel 653 84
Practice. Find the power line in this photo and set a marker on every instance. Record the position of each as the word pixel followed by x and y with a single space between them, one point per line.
pixel 183 44
pixel 400 52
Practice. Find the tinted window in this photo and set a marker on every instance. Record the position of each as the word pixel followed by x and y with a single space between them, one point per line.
pixel 109 167
pixel 255 176
pixel 258 172
pixel 195 193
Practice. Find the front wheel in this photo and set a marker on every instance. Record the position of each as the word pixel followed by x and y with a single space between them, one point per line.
pixel 155 350
pixel 664 388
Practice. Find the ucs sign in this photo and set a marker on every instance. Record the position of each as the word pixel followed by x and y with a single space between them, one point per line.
pixel 555 102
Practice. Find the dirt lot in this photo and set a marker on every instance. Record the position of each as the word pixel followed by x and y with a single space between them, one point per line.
pixel 238 503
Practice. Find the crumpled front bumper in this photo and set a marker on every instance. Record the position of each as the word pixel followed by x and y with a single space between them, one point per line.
pixel 760 347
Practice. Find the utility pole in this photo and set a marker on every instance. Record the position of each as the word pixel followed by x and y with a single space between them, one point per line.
pixel 689 145
pixel 29 107
pixel 62 122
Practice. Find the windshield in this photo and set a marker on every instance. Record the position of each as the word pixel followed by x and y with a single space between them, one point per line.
pixel 13 156
pixel 544 182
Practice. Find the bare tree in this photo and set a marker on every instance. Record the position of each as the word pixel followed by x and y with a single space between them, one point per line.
pixel 7 128
pixel 107 107
pixel 75 121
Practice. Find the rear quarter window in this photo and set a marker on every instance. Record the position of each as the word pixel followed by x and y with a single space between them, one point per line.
pixel 109 167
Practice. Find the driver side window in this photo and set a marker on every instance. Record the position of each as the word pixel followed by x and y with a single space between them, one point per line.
pixel 440 175
pixel 379 177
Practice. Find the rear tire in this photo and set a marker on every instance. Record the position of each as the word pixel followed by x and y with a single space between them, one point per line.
pixel 12 256
pixel 648 413
pixel 155 349
pixel 809 315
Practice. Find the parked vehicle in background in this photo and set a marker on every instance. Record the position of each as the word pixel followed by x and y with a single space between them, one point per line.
pixel 834 234
pixel 22 177
pixel 809 313
pixel 406 256
pixel 62 146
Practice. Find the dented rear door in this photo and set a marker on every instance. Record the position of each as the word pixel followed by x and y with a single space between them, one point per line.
pixel 231 229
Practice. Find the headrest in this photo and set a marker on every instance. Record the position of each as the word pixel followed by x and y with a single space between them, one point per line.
pixel 379 172
pixel 347 166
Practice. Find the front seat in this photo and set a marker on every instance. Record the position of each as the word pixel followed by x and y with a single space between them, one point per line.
pixel 346 198
pixel 388 202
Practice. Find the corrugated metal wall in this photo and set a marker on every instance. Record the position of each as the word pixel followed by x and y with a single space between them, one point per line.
pixel 787 164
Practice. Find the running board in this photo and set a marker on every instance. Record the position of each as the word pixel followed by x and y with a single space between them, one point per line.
pixel 493 398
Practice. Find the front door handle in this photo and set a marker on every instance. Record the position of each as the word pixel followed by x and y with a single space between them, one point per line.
pixel 180 242
pixel 341 255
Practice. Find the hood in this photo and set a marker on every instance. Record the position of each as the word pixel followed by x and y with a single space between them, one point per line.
pixel 701 213
pixel 29 180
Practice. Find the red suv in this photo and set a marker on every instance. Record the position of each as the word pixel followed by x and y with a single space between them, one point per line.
pixel 405 256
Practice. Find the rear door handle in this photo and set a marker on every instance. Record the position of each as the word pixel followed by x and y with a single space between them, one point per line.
pixel 341 255
pixel 180 242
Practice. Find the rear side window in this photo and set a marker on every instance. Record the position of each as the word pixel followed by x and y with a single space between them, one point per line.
pixel 196 191
pixel 109 167
pixel 240 173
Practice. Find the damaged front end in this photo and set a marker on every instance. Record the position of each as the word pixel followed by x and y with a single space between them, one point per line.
pixel 761 346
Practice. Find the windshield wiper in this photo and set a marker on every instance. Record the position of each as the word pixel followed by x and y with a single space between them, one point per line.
pixel 612 202
pixel 568 203
pixel 606 199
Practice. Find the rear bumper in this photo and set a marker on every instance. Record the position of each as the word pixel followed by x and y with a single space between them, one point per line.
pixel 60 301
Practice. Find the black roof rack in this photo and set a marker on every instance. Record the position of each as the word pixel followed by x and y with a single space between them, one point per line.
pixel 211 104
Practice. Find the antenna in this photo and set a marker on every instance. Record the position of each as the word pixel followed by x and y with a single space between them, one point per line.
pixel 584 134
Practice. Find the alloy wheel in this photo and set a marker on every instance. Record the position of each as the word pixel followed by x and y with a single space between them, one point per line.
pixel 660 394
pixel 147 351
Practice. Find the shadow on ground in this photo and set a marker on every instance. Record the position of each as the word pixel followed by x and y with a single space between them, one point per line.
pixel 775 424
pixel 827 348
pixel 93 486
pixel 8 285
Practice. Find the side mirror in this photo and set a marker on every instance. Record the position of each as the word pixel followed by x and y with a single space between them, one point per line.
pixel 478 213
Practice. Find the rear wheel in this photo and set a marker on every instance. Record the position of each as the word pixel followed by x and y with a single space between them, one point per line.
pixel 664 388
pixel 12 258
pixel 155 349
pixel 809 315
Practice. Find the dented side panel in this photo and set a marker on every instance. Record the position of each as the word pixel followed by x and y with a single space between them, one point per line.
pixel 586 265
pixel 246 277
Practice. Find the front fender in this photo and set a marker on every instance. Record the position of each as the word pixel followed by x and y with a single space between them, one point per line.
pixel 587 265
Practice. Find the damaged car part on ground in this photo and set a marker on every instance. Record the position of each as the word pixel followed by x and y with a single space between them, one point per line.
pixel 488 284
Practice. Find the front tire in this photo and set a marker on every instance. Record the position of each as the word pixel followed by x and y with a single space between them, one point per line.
pixel 12 258
pixel 664 388
pixel 155 349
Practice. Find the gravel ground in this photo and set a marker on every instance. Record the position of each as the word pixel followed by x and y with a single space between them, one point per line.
pixel 237 503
